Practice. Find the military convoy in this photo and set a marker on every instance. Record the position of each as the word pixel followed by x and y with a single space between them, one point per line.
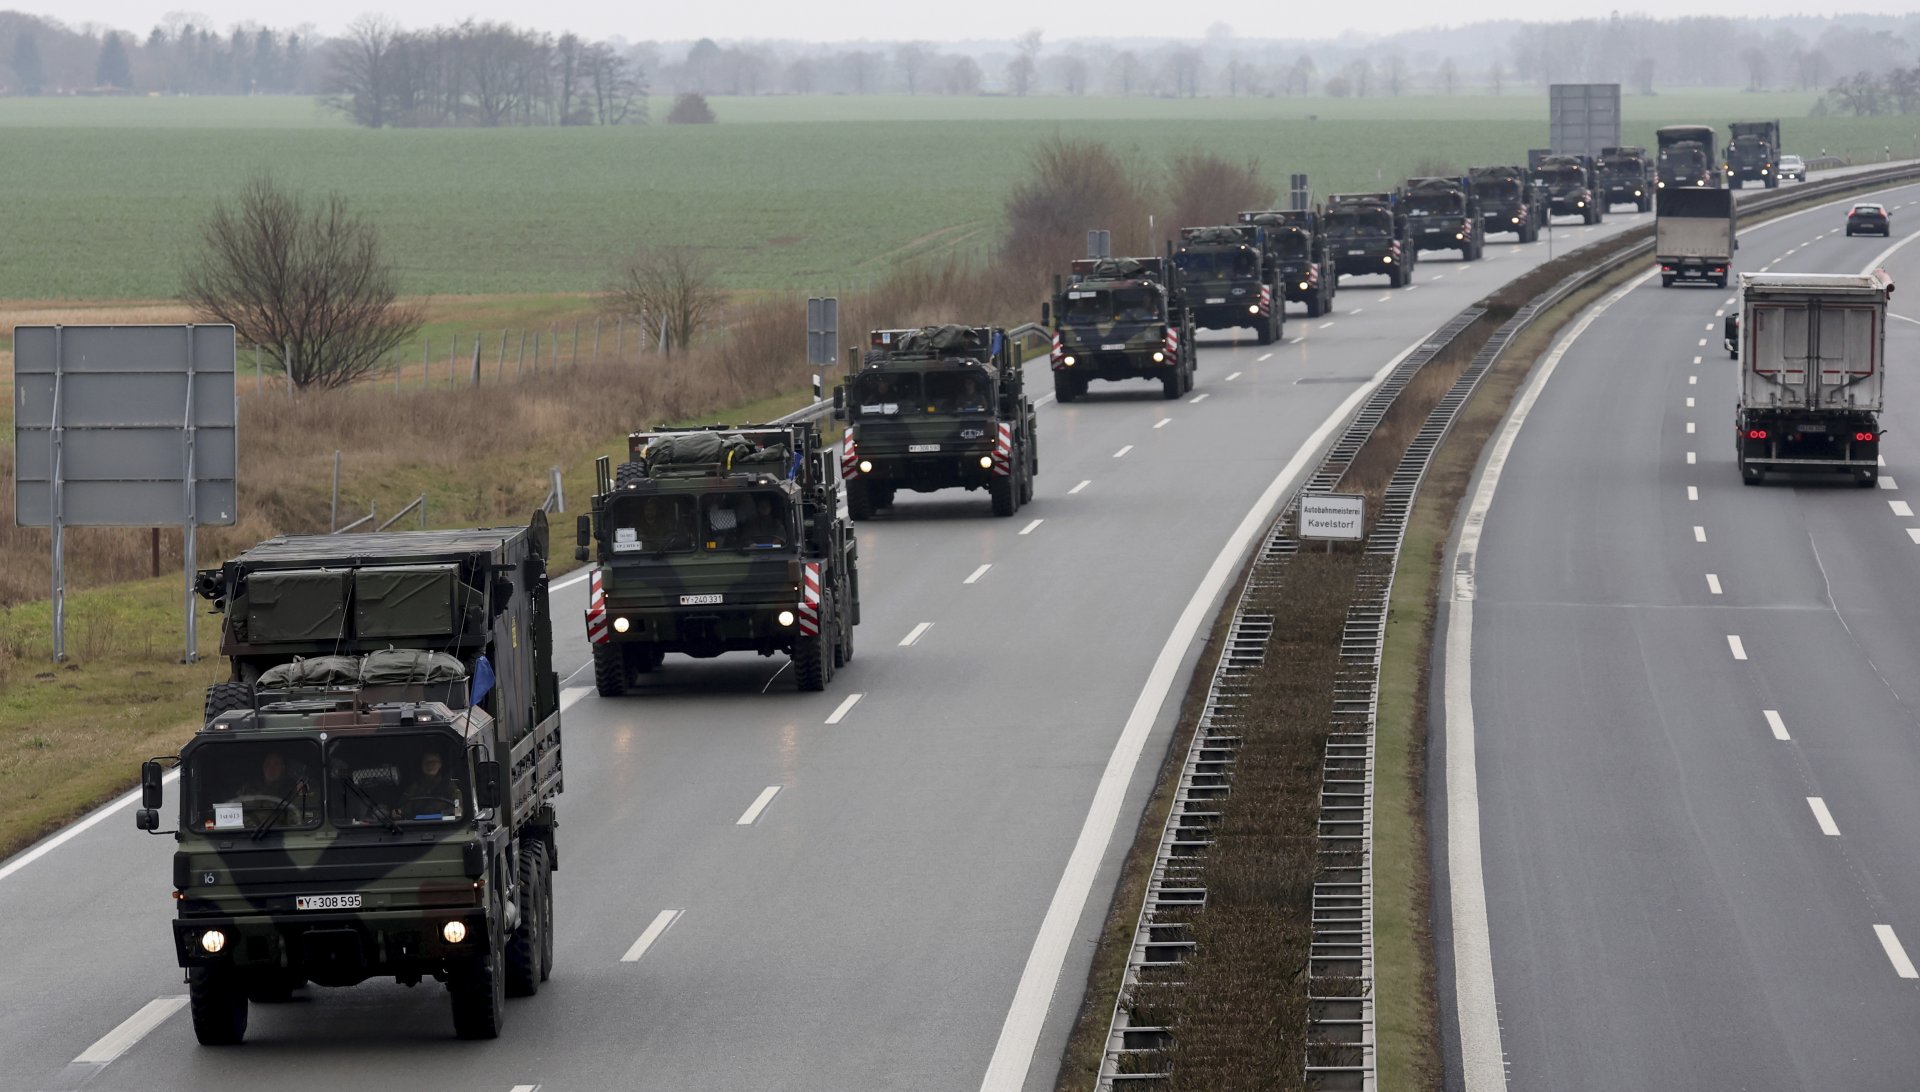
pixel 1444 214
pixel 1572 187
pixel 1509 202
pixel 943 407
pixel 1120 318
pixel 1623 178
pixel 372 794
pixel 1296 242
pixel 1231 279
pixel 1367 233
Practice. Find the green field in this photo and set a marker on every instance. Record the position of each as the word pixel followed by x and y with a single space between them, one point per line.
pixel 817 193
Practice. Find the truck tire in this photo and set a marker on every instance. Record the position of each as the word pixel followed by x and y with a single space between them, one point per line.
pixel 1645 204
pixel 812 665
pixel 1666 280
pixel 1066 389
pixel 610 672
pixel 218 999
pixel 1170 385
pixel 1735 182
pixel 843 648
pixel 1027 471
pixel 644 660
pixel 478 990
pixel 1263 333
pixel 1005 494
pixel 524 945
pixel 1721 280
pixel 1751 475
pixel 1773 181
pixel 228 695
pixel 546 911
pixel 628 473
pixel 883 497
pixel 1315 306
pixel 859 500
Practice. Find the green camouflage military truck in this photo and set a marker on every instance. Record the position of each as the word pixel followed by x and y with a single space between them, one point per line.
pixel 942 407
pixel 1296 243
pixel 1509 202
pixel 1443 214
pixel 1368 234
pixel 719 539
pixel 1625 178
pixel 1231 280
pixel 1120 318
pixel 1573 187
pixel 375 797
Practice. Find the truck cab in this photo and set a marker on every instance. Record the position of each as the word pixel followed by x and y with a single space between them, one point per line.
pixel 1296 242
pixel 1686 158
pixel 1623 178
pixel 1367 233
pixel 1117 319
pixel 1231 279
pixel 1753 152
pixel 1444 214
pixel 1509 202
pixel 1571 187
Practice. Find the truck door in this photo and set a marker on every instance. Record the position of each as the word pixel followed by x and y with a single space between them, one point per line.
pixel 1846 339
pixel 1779 341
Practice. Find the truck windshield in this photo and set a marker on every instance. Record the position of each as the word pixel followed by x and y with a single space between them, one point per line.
pixel 1433 204
pixel 760 520
pixel 886 393
pixel 1369 224
pixel 1291 244
pixel 1504 189
pixel 1217 264
pixel 1560 177
pixel 967 391
pixel 248 785
pixel 382 779
pixel 651 525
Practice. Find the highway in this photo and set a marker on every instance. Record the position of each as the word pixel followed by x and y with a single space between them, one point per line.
pixel 1681 713
pixel 895 884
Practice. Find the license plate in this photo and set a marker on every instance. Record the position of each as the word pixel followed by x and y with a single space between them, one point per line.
pixel 326 902
pixel 1813 428
pixel 1113 348
pixel 917 449
pixel 1352 252
pixel 1216 299
pixel 702 600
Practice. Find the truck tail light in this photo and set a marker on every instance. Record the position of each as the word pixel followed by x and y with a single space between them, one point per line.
pixel 1756 434
pixel 1865 437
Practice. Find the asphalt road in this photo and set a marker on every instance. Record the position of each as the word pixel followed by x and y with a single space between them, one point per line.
pixel 829 896
pixel 1692 724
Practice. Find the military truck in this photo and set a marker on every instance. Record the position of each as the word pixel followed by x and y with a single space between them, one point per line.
pixel 1231 280
pixel 1367 232
pixel 1572 187
pixel 1444 214
pixel 941 407
pixel 1812 348
pixel 1753 153
pixel 1297 246
pixel 1623 178
pixel 374 793
pixel 1509 202
pixel 1120 318
pixel 719 539
pixel 1686 157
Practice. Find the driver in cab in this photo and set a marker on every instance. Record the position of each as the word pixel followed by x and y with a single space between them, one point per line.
pixel 432 793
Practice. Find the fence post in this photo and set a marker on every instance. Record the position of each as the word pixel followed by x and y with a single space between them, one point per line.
pixel 596 339
pixel 536 352
pixel 520 360
pixel 559 490
pixel 500 369
pixel 453 350
pixel 286 362
pixel 476 360
pixel 619 335
pixel 333 512
pixel 426 357
pixel 576 343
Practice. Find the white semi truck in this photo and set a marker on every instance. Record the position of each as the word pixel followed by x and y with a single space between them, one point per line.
pixel 1812 348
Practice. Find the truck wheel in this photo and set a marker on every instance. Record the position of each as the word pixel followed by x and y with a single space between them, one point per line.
pixel 629 474
pixel 228 695
pixel 1751 475
pixel 1721 280
pixel 859 500
pixel 1026 482
pixel 843 649
pixel 883 497
pixel 610 671
pixel 1064 387
pixel 811 668
pixel 1645 204
pixel 1005 494
pixel 546 912
pixel 1315 305
pixel 1263 333
pixel 218 999
pixel 1666 280
pixel 479 992
pixel 529 937
pixel 644 661
pixel 1773 181
pixel 1735 182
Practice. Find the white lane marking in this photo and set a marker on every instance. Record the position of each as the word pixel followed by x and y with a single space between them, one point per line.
pixel 1696 359
pixel 1737 646
pixel 1689 427
pixel 1079 487
pixel 1823 817
pixel 1914 534
pixel 1295 340
pixel 1123 451
pixel 1262 356
pixel 1326 324
pixel 1886 482
pixel 1689 403
pixel 1902 966
pixel 1040 976
pixel 759 805
pixel 570 581
pixel 915 634
pixel 1882 459
pixel 1722 313
pixel 982 570
pixel 1699 533
pixel 1043 400
pixel 571 696
pixel 100 815
pixel 1709 327
pixel 1693 492
pixel 1029 528
pixel 1900 508
pixel 131 1030
pixel 840 712
pixel 525 1088
pixel 1411 287
pixel 1163 422
pixel 1439 276
pixel 1774 722
pixel 1692 380
pixel 1198 398
pixel 1703 341
pixel 1384 299
pixel 1233 377
pixel 1356 310
pixel 1713 584
pixel 1692 458
pixel 654 928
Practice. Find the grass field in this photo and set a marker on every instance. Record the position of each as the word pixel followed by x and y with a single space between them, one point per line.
pixel 815 193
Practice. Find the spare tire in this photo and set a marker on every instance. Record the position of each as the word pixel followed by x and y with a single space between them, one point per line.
pixel 228 695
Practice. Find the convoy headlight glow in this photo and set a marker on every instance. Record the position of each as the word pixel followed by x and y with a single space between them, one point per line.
pixel 1579 204
pixel 1158 357
pixel 621 625
pixel 785 618
pixel 1253 308
pixel 1763 170
pixel 986 462
pixel 1636 193
pixel 1067 360
pixel 1516 219
pixel 213 940
pixel 1460 235
pixel 866 465
pixel 1303 286
pixel 454 932
pixel 1388 259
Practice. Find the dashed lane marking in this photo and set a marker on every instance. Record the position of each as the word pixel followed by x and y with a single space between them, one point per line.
pixel 1890 943
pixel 659 925
pixel 1079 487
pixel 981 571
pixel 1736 646
pixel 1823 817
pixel 759 805
pixel 1031 527
pixel 840 711
pixel 915 634
pixel 1774 722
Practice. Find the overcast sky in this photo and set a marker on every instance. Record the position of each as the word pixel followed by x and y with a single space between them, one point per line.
pixel 890 20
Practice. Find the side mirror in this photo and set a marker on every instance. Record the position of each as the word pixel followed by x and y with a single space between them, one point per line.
pixel 147 819
pixel 1046 314
pixel 487 788
pixel 150 791
pixel 583 531
pixel 839 396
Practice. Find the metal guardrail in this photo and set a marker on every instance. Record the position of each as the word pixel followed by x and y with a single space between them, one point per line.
pixel 1341 1052
pixel 556 499
pixel 418 504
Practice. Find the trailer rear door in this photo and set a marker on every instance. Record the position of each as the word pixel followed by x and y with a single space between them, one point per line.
pixel 1814 354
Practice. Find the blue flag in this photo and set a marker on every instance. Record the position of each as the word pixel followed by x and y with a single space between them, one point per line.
pixel 482 683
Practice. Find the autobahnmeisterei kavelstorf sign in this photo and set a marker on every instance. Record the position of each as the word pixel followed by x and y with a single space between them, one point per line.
pixel 1340 516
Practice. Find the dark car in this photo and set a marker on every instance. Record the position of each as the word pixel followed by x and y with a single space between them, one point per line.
pixel 1869 218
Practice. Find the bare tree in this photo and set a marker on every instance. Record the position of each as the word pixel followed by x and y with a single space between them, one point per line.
pixel 363 72
pixel 1393 72
pixel 1447 76
pixel 305 279
pixel 1643 75
pixel 962 76
pixel 913 58
pixel 1498 77
pixel 1127 71
pixel 1755 59
pixel 666 290
pixel 1025 65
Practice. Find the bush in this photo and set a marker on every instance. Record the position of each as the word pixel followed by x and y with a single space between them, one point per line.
pixel 690 109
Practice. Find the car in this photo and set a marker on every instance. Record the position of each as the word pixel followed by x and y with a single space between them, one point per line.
pixel 1792 166
pixel 1869 218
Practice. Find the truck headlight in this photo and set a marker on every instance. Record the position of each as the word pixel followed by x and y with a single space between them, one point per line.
pixel 1303 286
pixel 213 940
pixel 986 462
pixel 1388 259
pixel 1067 360
pixel 1763 170
pixel 1579 204
pixel 1159 356
pixel 454 932
pixel 621 625
pixel 1516 219
pixel 866 465
pixel 785 618
pixel 1253 308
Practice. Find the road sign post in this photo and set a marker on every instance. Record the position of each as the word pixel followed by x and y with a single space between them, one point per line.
pixel 823 330
pixel 1333 517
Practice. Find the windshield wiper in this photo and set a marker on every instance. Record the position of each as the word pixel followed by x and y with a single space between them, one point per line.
pixel 372 805
pixel 273 817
